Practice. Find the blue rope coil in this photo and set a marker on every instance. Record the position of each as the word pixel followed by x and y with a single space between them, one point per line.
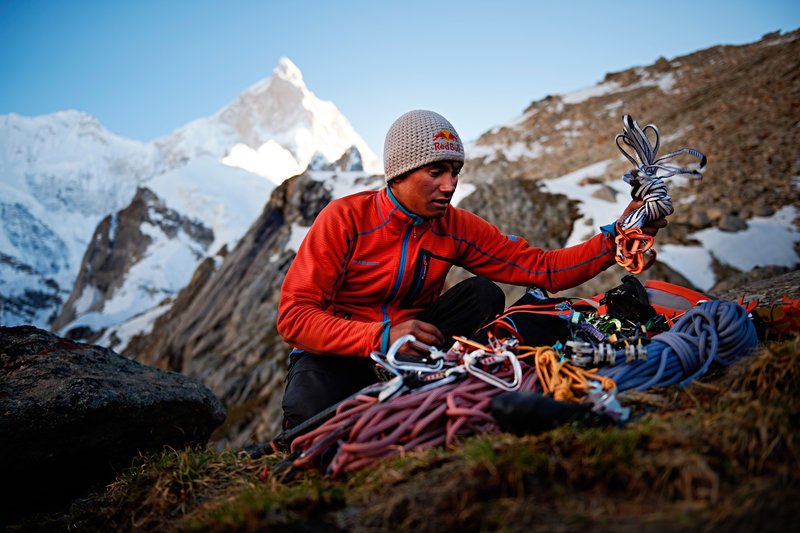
pixel 713 331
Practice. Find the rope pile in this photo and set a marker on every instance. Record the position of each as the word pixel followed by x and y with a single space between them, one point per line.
pixel 713 331
pixel 368 430
pixel 449 405
pixel 647 182
pixel 564 381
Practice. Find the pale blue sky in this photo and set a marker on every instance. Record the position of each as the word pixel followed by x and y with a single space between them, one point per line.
pixel 146 67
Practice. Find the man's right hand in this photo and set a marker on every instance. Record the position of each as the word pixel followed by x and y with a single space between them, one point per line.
pixel 424 332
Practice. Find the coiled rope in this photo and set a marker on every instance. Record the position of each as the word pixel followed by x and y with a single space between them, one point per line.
pixel 368 430
pixel 713 331
pixel 365 429
pixel 647 182
pixel 563 380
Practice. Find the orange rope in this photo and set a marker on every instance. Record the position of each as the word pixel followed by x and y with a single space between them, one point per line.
pixel 565 381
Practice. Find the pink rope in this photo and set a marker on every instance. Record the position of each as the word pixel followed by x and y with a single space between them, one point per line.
pixel 368 431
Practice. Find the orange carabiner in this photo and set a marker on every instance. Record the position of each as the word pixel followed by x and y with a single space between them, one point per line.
pixel 632 245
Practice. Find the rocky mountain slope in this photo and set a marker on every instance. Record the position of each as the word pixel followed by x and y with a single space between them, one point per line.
pixel 738 104
pixel 221 327
pixel 117 276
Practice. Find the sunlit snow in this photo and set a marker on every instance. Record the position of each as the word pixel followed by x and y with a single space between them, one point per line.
pixel 766 241
pixel 665 81
pixel 296 237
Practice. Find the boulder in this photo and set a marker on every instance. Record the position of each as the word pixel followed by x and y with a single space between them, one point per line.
pixel 72 414
pixel 763 210
pixel 699 219
pixel 732 223
pixel 715 213
pixel 605 192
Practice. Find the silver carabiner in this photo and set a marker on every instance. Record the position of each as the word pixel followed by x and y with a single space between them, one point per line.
pixel 469 364
pixel 409 365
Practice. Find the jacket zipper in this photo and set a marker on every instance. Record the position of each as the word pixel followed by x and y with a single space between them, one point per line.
pixel 396 288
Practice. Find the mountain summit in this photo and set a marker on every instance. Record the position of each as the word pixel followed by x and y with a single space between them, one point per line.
pixel 272 129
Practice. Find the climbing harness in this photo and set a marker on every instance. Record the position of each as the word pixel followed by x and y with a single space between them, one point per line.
pixel 647 184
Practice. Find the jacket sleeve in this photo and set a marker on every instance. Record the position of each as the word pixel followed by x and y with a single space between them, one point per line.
pixel 510 259
pixel 305 318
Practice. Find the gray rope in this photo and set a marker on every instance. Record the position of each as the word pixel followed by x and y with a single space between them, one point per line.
pixel 647 185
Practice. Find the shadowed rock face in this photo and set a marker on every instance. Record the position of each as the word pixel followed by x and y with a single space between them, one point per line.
pixel 221 327
pixel 118 244
pixel 71 414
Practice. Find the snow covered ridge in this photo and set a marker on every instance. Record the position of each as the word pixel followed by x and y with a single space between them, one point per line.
pixel 279 125
pixel 63 173
pixel 664 81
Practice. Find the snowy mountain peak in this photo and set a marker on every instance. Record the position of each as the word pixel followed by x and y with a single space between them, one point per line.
pixel 280 124
pixel 63 173
pixel 272 129
pixel 288 71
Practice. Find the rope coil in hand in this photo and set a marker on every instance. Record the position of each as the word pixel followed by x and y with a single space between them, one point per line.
pixel 647 182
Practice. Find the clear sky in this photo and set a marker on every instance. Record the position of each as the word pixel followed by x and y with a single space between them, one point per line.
pixel 146 67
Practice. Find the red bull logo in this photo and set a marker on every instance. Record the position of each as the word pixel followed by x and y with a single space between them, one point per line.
pixel 446 140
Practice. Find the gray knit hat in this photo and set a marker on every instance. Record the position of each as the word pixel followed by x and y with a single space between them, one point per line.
pixel 418 138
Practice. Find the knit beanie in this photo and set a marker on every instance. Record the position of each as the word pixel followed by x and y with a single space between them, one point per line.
pixel 418 138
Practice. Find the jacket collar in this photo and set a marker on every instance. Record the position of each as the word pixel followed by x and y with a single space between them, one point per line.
pixel 396 205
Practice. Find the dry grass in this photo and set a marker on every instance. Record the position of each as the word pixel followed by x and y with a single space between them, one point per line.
pixel 718 455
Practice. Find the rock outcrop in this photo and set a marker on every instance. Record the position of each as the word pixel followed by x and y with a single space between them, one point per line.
pixel 520 207
pixel 119 242
pixel 74 414
pixel 221 328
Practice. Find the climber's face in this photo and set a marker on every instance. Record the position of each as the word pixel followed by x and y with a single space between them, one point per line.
pixel 428 190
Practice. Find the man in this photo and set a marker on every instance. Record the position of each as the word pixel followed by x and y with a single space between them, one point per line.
pixel 372 267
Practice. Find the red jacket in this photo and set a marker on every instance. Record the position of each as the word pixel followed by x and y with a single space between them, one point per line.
pixel 367 263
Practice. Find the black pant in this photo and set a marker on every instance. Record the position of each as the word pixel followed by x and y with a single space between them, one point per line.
pixel 315 382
